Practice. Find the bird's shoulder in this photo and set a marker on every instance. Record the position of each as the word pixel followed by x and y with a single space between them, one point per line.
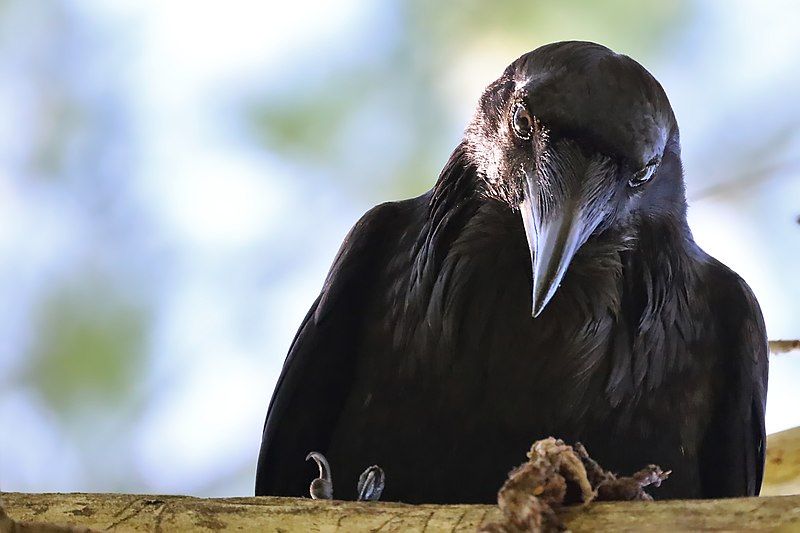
pixel 370 242
pixel 738 312
pixel 385 220
pixel 741 334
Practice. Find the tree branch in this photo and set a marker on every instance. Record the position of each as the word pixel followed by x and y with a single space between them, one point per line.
pixel 781 346
pixel 123 512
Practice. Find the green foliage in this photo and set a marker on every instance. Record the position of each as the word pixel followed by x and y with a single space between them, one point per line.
pixel 303 125
pixel 90 352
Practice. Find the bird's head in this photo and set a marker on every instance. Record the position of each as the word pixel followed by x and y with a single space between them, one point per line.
pixel 580 141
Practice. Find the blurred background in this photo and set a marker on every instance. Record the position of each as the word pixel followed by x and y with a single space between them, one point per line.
pixel 176 177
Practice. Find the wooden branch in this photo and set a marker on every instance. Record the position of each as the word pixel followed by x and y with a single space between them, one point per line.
pixel 123 512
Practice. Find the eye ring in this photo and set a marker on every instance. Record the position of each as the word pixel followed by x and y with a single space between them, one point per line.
pixel 645 174
pixel 521 122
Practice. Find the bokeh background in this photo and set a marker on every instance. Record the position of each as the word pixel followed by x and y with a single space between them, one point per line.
pixel 176 177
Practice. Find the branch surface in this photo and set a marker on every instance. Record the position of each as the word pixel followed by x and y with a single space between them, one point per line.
pixel 124 512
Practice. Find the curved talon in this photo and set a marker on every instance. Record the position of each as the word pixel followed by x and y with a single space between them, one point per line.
pixel 371 483
pixel 322 487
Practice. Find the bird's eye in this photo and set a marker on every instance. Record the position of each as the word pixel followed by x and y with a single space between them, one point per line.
pixel 645 174
pixel 522 122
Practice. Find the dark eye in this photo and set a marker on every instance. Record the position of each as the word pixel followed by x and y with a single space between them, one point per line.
pixel 645 174
pixel 522 122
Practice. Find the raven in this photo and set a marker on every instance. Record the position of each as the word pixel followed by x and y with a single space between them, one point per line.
pixel 548 284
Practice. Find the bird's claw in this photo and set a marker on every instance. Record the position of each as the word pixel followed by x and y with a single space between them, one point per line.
pixel 370 484
pixel 322 487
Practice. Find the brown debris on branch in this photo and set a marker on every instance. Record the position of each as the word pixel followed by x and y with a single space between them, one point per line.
pixel 558 474
pixel 610 488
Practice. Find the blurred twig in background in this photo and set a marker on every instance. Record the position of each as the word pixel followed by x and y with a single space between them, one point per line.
pixel 784 346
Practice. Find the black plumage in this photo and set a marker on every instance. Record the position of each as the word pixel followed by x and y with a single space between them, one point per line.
pixel 421 355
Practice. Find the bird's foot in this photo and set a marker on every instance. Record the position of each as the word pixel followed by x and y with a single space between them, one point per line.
pixel 370 483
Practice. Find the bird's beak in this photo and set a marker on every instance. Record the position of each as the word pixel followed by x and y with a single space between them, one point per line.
pixel 555 229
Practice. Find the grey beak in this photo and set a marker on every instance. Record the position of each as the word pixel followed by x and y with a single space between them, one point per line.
pixel 552 243
pixel 554 233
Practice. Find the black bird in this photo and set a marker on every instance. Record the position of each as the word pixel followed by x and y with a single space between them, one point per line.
pixel 564 200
